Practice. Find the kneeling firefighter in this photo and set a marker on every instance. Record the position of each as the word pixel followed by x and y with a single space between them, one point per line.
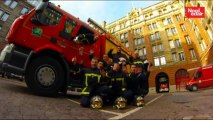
pixel 89 94
pixel 139 86
pixel 120 95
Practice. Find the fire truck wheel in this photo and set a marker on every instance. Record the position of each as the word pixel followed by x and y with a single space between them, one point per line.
pixel 45 76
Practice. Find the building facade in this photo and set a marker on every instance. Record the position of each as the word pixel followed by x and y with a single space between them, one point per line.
pixel 204 30
pixel 34 2
pixel 9 11
pixel 164 37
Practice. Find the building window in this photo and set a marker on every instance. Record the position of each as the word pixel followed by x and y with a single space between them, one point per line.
pixel 139 41
pixel 183 28
pixel 171 44
pixel 169 20
pixel 122 36
pixel 178 43
pixel 160 47
pixel 168 32
pixel 150 27
pixel 157 35
pixel 178 17
pixel 14 4
pixel 164 22
pixel 154 48
pixel 202 45
pixel 142 40
pixel 126 35
pixel 192 53
pixel 137 31
pixel 174 57
pixel 157 61
pixel 173 31
pixel 7 2
pixel 152 37
pixel 127 44
pixel 122 26
pixel 154 25
pixel 24 11
pixel 162 60
pixel 140 52
pixel 181 56
pixel 136 41
pixel 4 17
pixel 144 50
pixel 188 40
pixel 210 32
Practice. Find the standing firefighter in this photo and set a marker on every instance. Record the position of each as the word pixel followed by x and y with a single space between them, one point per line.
pixel 135 59
pixel 92 77
pixel 118 86
pixel 116 57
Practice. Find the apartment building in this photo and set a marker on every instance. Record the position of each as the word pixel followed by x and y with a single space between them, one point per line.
pixel 174 44
pixel 9 11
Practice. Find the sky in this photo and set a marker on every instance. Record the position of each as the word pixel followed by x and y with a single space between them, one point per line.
pixel 100 11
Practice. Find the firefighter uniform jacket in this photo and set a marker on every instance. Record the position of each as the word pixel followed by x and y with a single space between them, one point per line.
pixel 92 77
pixel 117 80
pixel 139 84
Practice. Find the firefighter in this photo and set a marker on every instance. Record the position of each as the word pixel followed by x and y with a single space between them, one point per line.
pixel 139 85
pixel 75 69
pixel 115 57
pixel 144 64
pixel 118 84
pixel 92 77
pixel 108 62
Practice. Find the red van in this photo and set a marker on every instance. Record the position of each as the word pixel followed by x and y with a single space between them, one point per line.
pixel 202 78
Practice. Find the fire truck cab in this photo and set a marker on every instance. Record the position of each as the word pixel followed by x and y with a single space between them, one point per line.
pixel 42 43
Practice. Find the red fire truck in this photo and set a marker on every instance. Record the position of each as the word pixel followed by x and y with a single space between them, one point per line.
pixel 42 43
pixel 202 78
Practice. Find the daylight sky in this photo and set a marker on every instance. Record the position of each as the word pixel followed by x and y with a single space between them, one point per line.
pixel 101 10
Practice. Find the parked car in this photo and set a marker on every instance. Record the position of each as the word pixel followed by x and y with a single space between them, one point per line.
pixel 202 78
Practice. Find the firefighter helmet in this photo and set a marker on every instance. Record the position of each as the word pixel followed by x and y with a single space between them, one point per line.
pixel 139 101
pixel 96 102
pixel 120 103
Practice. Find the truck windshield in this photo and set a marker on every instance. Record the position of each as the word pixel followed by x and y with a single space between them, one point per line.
pixel 48 16
pixel 198 75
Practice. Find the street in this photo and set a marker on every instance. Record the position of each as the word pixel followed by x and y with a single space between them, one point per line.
pixel 18 102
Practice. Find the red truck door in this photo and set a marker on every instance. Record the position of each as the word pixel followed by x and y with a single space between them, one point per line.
pixel 208 76
pixel 199 79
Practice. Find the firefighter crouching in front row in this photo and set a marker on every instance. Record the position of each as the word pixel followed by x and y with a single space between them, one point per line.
pixel 138 79
pixel 119 94
pixel 138 84
pixel 92 79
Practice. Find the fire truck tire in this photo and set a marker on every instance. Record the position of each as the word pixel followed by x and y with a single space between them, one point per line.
pixel 45 76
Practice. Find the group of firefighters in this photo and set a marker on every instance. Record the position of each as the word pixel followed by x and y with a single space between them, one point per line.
pixel 107 81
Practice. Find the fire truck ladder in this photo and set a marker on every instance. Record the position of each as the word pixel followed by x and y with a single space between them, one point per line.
pixel 109 36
